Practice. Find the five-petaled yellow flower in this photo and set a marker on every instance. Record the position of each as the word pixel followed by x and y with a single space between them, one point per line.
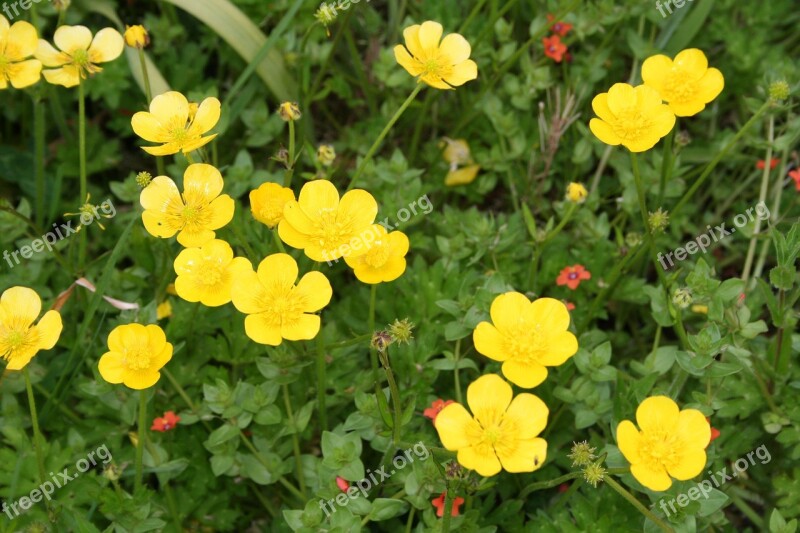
pixel 206 274
pixel 631 116
pixel 685 83
pixel 526 336
pixel 276 308
pixel 324 226
pixel 385 256
pixel 194 215
pixel 17 44
pixel 79 53
pixel 441 63
pixel 20 339
pixel 267 203
pixel 136 356
pixel 669 442
pixel 503 432
pixel 172 124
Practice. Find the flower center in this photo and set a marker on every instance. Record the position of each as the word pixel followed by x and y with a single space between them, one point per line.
pixel 631 124
pixel 80 58
pixel 331 232
pixel 210 273
pixel 283 309
pixel 378 255
pixel 572 275
pixel 680 87
pixel 137 359
pixel 659 450
pixel 525 343
pixel 190 214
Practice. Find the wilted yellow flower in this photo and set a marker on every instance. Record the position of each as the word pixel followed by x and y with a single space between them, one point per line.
pixel 136 36
pixel 441 63
pixel 194 215
pixel 267 203
pixel 171 124
pixel 631 116
pixel 686 84
pixel 576 193
pixel 79 53
pixel 20 339
pixel 384 258
pixel 289 111
pixel 276 308
pixel 326 155
pixel 457 153
pixel 136 356
pixel 206 274
pixel 17 44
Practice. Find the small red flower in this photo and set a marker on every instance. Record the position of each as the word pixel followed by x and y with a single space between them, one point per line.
pixel 342 483
pixel 570 305
pixel 437 405
pixel 166 423
pixel 772 163
pixel 714 431
pixel 439 504
pixel 572 276
pixel 795 175
pixel 561 28
pixel 554 48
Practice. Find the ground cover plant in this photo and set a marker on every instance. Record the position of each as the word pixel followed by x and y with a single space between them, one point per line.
pixel 485 265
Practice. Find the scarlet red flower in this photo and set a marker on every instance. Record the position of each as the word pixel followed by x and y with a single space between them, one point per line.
pixel 570 305
pixel 572 276
pixel 772 163
pixel 554 48
pixel 166 423
pixel 714 431
pixel 439 504
pixel 437 405
pixel 561 28
pixel 342 483
pixel 795 175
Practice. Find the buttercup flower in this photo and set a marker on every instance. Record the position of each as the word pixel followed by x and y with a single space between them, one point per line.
pixel 206 274
pixel 267 203
pixel 441 63
pixel 669 442
pixel 500 433
pixel 631 116
pixel 276 308
pixel 165 423
pixel 554 48
pixel 136 355
pixel 195 214
pixel 572 276
pixel 576 193
pixel 384 259
pixel 436 407
pixel 439 504
pixel 561 28
pixel 526 337
pixel 17 44
pixel 686 83
pixel 20 339
pixel 322 225
pixel 136 36
pixel 79 53
pixel 171 123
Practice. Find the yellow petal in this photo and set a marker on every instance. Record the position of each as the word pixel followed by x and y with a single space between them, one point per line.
pixel 482 460
pixel 454 425
pixel 629 440
pixel 411 38
pixel 278 272
pixel 140 380
pixel 49 329
pixel 305 327
pixel 156 225
pixel 70 39
pixel 601 109
pixel 527 415
pixel 393 269
pixel 66 76
pixel 197 143
pixel 149 127
pixel 49 56
pixel 25 73
pixel 526 456
pixel 247 293
pixel 693 62
pixel 191 236
pixel 262 330
pixel 22 305
pixel 435 81
pixel 359 209
pixel 690 463
pixel 170 105
pixel 710 85
pixel 656 71
pixel 162 357
pixel 288 233
pixel 404 59
pixel 167 149
pixel 456 48
pixel 462 176
pixel 657 413
pixel 221 211
pixel 648 100
pixel 620 97
pixel 3 28
pixel 654 479
pixel 106 46
pixel 642 144
pixel 662 119
pixel 315 290
pixel 23 35
pixel 158 195
pixel 604 132
pixel 560 347
pixel 489 342
pixel 509 309
pixel 206 118
pixel 693 429
pixel 488 397
pixel 524 374
pixel 201 183
pixel 319 196
pixel 111 368
pixel 551 314
pixel 430 34
pixel 462 73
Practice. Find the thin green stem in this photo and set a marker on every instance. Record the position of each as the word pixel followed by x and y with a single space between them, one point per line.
pixel 277 239
pixel 82 166
pixel 448 510
pixel 287 402
pixel 141 438
pixel 382 136
pixel 637 178
pixel 395 393
pixel 38 441
pixel 373 353
pixel 251 254
pixel 762 198
pixel 666 163
pixel 321 382
pixel 39 144
pixel 636 503
pixel 287 179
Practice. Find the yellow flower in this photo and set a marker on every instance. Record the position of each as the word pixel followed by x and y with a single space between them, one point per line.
pixel 686 83
pixel 276 308
pixel 631 116
pixel 700 308
pixel 384 258
pixel 526 336
pixel 136 36
pixel 17 44
pixel 206 274
pixel 267 203
pixel 576 193
pixel 457 153
pixel 79 54
pixel 462 176
pixel 164 310
pixel 289 111
pixel 326 154
pixel 444 65
pixel 20 339
pixel 502 433
pixel 136 355
pixel 171 124
pixel 194 215
pixel 324 226
pixel 669 443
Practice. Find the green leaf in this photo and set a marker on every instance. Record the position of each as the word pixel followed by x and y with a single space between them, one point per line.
pixel 386 508
pixel 221 435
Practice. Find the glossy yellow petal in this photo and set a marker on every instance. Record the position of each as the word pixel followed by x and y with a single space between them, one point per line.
pixel 411 38
pixel 526 456
pixel 657 413
pixel 107 45
pixel 25 41
pixel 551 314
pixel 629 441
pixel 648 99
pixel 49 56
pixel 524 374
pixel 22 305
pixel 288 233
pixel 560 347
pixel 247 293
pixel 207 116
pixel 454 425
pixel 456 48
pixel 604 132
pixel 157 226
pixel 141 380
pixel 191 146
pixel 526 416
pixel 435 81
pixel 399 243
pixel 49 329
pixel 620 97
pixel 221 211
pixel 654 479
pixel 359 209
pixel 66 76
pixel 163 357
pixel 693 429
pixel 111 368
pixel 278 272
pixel 262 330
pixel 462 176
pixel 691 462
pixel 191 236
pixel 201 183
pixel 149 127
pixel 482 460
pixel 430 34
pixel 170 105
pixel 158 195
pixel 656 71
pixel 156 338
pixel 315 291
pixel 601 109
pixel 662 120
pixel 509 309
pixel 693 62
pixel 462 73
pixel 4 26
pixel 166 149
pixel 318 197
pixel 404 59
pixel 489 342
pixel 393 269
pixel 710 85
pixel 25 73
pixel 70 39
pixel 488 397
pixel 305 327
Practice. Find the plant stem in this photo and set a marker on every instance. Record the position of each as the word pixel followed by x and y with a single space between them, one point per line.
pixel 762 197
pixel 148 92
pixel 636 503
pixel 455 372
pixel 373 353
pixel 39 142
pixel 321 382
pixel 637 178
pixel 142 436
pixel 287 179
pixel 295 441
pixel 395 393
pixel 82 166
pixel 448 510
pixel 37 434
pixel 382 136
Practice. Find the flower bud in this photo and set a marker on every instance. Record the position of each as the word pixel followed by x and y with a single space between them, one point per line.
pixel 576 193
pixel 143 179
pixel 289 111
pixel 136 36
pixel 326 155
